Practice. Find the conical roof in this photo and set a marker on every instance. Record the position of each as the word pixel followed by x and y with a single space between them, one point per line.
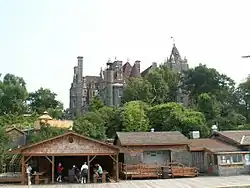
pixel 45 116
pixel 135 72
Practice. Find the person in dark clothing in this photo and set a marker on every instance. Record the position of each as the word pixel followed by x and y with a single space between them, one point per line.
pixel 76 172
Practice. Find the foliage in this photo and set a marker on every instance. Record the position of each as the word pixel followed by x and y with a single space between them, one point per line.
pixel 43 100
pixel 13 95
pixel 95 104
pixel 134 117
pixel 137 89
pixel 45 132
pixel 91 125
pixel 174 117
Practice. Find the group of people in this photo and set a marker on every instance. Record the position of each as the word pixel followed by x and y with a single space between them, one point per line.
pixel 80 175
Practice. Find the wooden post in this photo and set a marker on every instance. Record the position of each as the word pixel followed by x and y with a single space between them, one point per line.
pixel 53 169
pixel 23 170
pixel 88 169
pixel 117 167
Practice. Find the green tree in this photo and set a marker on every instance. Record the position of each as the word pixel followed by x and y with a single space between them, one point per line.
pixel 42 100
pixel 207 80
pixel 174 117
pixel 95 104
pixel 91 124
pixel 209 106
pixel 45 132
pixel 13 95
pixel 159 87
pixel 134 117
pixel 137 89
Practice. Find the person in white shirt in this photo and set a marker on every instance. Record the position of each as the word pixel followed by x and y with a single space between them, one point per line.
pixel 84 172
pixel 28 171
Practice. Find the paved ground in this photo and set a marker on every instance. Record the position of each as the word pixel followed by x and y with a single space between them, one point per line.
pixel 199 182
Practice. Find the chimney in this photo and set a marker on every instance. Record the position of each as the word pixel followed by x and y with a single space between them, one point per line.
pixel 80 67
pixel 214 128
pixel 138 65
pixel 152 130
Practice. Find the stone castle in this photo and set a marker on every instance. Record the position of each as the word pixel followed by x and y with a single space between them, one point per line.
pixel 111 81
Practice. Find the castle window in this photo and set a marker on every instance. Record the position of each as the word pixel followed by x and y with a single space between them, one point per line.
pixel 74 103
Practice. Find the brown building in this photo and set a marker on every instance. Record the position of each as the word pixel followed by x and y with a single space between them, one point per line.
pixel 154 147
pixel 69 149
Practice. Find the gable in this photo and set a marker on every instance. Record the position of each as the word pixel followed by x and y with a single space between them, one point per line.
pixel 69 145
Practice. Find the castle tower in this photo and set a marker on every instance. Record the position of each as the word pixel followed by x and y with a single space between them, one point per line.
pixel 76 91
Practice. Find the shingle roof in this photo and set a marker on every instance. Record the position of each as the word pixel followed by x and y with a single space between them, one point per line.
pixel 151 138
pixel 135 72
pixel 126 69
pixel 240 137
pixel 211 145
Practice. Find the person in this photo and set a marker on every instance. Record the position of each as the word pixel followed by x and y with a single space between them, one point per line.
pixel 99 170
pixel 76 172
pixel 84 172
pixel 28 171
pixel 59 172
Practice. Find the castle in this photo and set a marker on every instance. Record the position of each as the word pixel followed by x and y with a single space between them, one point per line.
pixel 110 83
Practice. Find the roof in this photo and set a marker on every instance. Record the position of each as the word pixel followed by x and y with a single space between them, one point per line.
pixel 212 145
pixel 127 69
pixel 240 137
pixel 70 133
pixel 151 138
pixel 14 128
pixel 146 71
pixel 135 72
pixel 61 124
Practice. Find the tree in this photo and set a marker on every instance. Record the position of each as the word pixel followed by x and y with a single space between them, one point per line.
pixel 159 88
pixel 134 117
pixel 42 100
pixel 13 95
pixel 137 89
pixel 91 124
pixel 209 106
pixel 206 80
pixel 174 117
pixel 95 104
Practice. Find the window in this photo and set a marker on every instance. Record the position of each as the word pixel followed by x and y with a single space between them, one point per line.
pixel 231 159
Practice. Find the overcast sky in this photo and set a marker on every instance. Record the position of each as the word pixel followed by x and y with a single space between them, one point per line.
pixel 40 39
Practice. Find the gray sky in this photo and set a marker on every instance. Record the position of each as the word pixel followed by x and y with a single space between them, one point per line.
pixel 40 40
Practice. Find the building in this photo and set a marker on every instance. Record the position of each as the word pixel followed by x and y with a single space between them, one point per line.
pixel 82 89
pixel 154 147
pixel 113 79
pixel 177 64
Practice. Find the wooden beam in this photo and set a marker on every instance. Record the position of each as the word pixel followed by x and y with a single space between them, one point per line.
pixel 88 169
pixel 117 167
pixel 23 170
pixel 53 169
pixel 49 159
pixel 92 158
pixel 25 161
pixel 113 158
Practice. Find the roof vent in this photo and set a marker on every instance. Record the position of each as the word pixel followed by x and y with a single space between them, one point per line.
pixel 152 130
pixel 214 128
pixel 195 134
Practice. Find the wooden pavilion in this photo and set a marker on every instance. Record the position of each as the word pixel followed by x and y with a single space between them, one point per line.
pixel 68 144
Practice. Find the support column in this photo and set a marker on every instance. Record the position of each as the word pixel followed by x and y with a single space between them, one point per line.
pixel 53 169
pixel 23 171
pixel 88 169
pixel 117 168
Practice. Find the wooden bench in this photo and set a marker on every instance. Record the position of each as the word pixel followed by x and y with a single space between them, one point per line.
pixel 141 171
pixel 179 170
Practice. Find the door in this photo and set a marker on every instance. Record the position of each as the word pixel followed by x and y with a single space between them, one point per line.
pixel 156 157
pixel 198 160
